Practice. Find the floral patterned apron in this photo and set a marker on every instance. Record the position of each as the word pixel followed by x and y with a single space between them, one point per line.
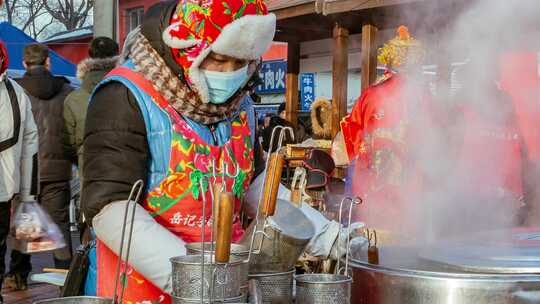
pixel 176 203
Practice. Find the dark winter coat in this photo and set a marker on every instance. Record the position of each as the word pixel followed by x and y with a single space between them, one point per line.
pixel 90 71
pixel 47 94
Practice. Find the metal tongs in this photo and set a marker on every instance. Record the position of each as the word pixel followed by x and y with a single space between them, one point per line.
pixel 261 220
pixel 353 202
pixel 137 188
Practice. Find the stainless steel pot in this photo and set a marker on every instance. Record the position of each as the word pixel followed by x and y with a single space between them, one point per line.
pixel 76 300
pixel 373 284
pixel 404 275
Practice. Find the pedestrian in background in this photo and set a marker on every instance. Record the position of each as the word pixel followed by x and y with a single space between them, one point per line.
pixel 103 56
pixel 47 94
pixel 18 153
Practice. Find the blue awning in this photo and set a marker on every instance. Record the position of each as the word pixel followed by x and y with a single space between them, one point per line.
pixel 15 40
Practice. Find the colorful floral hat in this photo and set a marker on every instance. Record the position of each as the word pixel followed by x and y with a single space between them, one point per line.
pixel 3 54
pixel 241 29
pixel 401 49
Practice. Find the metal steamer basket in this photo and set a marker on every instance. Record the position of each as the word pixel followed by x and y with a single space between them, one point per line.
pixel 118 296
pixel 281 241
pixel 328 288
pixel 280 231
pixel 217 281
pixel 200 277
pixel 237 250
pixel 276 288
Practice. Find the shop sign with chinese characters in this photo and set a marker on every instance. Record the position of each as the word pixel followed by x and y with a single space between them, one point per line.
pixel 272 74
pixel 307 91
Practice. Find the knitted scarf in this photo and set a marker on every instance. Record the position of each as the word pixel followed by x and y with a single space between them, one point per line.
pixel 180 96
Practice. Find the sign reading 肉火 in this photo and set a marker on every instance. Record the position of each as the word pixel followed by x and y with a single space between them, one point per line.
pixel 272 74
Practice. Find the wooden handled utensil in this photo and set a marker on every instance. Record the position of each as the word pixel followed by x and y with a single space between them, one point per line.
pixel 271 185
pixel 224 227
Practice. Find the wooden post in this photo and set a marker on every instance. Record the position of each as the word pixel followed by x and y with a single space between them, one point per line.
pixel 340 75
pixel 369 55
pixel 291 92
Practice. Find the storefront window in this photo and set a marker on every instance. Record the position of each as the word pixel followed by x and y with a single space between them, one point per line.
pixel 134 17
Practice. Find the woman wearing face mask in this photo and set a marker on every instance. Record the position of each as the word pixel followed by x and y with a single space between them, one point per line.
pixel 173 113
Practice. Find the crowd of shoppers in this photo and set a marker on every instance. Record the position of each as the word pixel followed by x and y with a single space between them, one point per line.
pixel 42 120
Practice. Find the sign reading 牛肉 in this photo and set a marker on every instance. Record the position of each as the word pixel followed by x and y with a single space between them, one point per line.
pixel 307 91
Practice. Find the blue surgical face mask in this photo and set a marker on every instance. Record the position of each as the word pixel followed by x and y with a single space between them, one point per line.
pixel 223 85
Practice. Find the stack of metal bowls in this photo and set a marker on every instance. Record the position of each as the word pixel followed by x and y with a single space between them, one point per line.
pixel 198 278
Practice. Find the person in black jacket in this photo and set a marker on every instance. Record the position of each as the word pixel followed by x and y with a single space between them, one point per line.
pixel 47 94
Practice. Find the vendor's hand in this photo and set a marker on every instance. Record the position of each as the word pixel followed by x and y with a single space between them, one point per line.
pixel 358 241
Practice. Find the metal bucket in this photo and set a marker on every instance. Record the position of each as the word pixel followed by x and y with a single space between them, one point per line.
pixel 236 249
pixel 230 278
pixel 276 288
pixel 238 300
pixel 323 289
pixel 76 300
pixel 286 235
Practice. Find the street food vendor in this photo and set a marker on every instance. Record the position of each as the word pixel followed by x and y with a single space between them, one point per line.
pixel 175 113
pixel 377 131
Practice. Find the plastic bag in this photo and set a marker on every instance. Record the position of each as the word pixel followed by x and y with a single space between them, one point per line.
pixel 34 230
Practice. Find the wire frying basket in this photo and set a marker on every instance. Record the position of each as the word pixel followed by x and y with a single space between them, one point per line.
pixel 329 288
pixel 199 278
pixel 276 288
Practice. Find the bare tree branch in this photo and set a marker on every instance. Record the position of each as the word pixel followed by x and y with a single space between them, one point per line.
pixel 66 12
pixel 36 17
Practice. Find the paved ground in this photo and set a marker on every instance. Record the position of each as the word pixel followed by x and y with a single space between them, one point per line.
pixel 36 291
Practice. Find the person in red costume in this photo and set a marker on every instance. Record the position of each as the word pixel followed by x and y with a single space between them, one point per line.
pixel 489 170
pixel 381 130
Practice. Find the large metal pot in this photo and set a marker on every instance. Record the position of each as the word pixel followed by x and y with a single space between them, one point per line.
pixel 479 269
pixel 374 284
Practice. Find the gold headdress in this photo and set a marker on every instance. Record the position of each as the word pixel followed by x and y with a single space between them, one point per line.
pixel 401 49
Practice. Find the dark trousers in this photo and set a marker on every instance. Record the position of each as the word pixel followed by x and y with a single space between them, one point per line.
pixel 54 198
pixel 5 216
pixel 19 263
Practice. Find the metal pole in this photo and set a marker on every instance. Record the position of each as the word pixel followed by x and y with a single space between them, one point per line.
pixel 105 19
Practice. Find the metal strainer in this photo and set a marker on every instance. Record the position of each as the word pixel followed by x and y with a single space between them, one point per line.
pixel 328 288
pixel 323 289
pixel 275 287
